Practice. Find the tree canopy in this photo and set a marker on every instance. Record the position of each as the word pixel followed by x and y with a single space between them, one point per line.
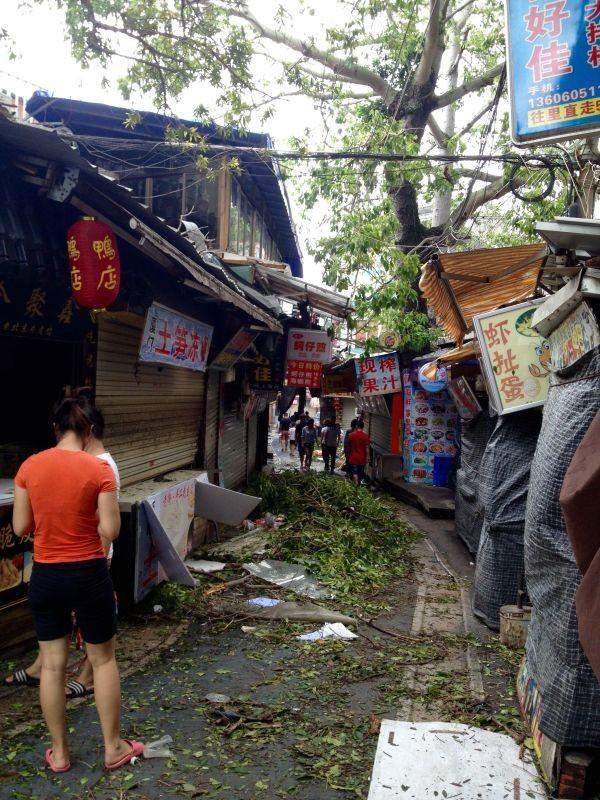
pixel 389 76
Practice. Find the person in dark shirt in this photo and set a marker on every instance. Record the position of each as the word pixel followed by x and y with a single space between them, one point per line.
pixel 299 426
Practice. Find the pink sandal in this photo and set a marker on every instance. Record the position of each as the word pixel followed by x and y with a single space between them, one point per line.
pixel 52 766
pixel 137 748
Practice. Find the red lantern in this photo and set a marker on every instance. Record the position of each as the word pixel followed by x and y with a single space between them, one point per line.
pixel 94 263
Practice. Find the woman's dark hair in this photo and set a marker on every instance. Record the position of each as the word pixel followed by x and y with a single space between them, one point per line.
pixel 327 423
pixel 97 419
pixel 73 414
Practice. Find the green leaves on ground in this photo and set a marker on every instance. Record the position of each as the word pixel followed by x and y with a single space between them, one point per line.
pixel 348 537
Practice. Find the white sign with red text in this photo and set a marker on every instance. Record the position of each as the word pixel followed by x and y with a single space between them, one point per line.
pixel 378 375
pixel 307 351
pixel 175 339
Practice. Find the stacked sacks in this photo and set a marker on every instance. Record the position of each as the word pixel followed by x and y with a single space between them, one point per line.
pixel 570 691
pixel 468 515
pixel 504 482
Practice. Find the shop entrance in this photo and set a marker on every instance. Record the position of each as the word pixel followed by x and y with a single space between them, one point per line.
pixel 33 374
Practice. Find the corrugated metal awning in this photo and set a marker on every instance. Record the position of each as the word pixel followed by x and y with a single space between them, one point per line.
pixel 458 286
pixel 298 291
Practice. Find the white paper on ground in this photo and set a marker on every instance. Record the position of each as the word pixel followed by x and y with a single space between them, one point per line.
pixel 435 760
pixel 263 602
pixel 336 629
pixel 200 565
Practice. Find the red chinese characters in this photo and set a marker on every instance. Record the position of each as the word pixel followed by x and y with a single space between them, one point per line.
pixel 94 263
pixel 552 58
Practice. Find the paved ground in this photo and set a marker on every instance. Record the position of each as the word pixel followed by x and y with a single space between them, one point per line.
pixel 302 719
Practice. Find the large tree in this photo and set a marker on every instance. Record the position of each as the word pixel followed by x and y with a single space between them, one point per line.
pixel 390 76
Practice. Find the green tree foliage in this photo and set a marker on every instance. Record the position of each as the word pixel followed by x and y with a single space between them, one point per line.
pixel 384 73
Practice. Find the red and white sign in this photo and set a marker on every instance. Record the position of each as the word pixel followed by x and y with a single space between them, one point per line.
pixel 378 375
pixel 172 338
pixel 307 351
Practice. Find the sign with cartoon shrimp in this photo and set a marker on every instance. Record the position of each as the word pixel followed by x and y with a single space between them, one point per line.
pixel 516 360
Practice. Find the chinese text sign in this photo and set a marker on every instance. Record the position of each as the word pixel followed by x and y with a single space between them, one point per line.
pixel 307 351
pixel 515 358
pixel 171 338
pixel 378 375
pixel 554 67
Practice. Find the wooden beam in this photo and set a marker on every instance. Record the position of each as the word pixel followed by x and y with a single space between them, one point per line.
pixel 223 205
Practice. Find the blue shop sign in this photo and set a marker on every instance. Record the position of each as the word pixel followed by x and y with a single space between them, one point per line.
pixel 553 49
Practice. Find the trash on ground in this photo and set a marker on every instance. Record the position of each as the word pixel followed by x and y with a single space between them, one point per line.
pixel 157 609
pixel 159 748
pixel 303 612
pixel 248 628
pixel 206 567
pixel 326 631
pixel 417 760
pixel 215 697
pixel 289 576
pixel 252 542
pixel 263 602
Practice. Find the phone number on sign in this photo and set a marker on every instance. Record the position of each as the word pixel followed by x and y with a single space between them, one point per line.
pixel 567 96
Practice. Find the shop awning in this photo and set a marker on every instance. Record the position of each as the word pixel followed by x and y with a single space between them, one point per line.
pixel 298 291
pixel 458 286
pixel 458 354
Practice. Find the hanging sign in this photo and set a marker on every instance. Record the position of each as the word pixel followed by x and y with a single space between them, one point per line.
pixel 553 55
pixel 307 351
pixel 235 349
pixel 378 375
pixel 514 357
pixel 389 340
pixel 576 336
pixel 432 378
pixel 94 263
pixel 172 338
pixel 267 371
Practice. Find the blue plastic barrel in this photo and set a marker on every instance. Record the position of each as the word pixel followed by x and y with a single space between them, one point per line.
pixel 442 466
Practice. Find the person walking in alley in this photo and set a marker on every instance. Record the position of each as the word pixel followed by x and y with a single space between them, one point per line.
pixel 358 449
pixel 347 446
pixel 284 432
pixel 330 439
pixel 293 438
pixel 309 437
pixel 67 499
pixel 300 424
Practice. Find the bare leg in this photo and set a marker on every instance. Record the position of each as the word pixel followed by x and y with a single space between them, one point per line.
pixel 107 691
pixel 86 674
pixel 52 695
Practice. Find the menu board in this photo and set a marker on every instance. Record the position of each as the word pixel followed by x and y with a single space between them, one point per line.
pixel 16 560
pixel 430 426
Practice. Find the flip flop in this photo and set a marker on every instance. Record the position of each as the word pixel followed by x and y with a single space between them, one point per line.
pixel 21 678
pixel 137 748
pixel 52 766
pixel 77 689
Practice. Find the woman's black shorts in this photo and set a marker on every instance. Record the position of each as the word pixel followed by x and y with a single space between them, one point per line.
pixel 83 587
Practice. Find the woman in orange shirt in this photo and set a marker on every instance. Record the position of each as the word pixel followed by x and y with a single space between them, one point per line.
pixel 67 498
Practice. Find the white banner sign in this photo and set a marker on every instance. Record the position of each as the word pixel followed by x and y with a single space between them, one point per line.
pixel 172 338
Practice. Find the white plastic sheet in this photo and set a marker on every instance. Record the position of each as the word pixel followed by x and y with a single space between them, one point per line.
pixel 288 576
pixel 202 566
pixel 335 629
pixel 437 760
pixel 263 602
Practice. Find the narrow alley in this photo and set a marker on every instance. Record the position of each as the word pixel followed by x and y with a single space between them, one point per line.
pixel 253 712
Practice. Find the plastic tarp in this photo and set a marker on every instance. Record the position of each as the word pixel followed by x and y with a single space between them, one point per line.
pixel 437 760
pixel 570 691
pixel 289 576
pixel 504 482
pixel 468 516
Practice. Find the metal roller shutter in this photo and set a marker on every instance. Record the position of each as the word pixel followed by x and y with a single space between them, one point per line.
pixel 153 413
pixel 348 413
pixel 251 446
pixel 232 448
pixel 380 431
pixel 211 431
